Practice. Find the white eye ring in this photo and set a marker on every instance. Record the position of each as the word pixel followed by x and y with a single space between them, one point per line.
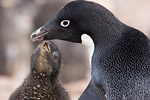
pixel 65 23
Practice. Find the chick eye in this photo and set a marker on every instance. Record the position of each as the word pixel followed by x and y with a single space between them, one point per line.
pixel 65 23
pixel 55 56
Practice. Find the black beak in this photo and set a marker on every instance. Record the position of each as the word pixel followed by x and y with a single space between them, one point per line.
pixel 38 34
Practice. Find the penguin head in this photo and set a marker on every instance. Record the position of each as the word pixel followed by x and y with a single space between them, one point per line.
pixel 46 58
pixel 66 25
pixel 77 18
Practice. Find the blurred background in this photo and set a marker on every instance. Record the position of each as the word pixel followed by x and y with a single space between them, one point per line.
pixel 19 18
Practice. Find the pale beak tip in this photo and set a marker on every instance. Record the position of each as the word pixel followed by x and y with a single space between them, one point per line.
pixel 38 34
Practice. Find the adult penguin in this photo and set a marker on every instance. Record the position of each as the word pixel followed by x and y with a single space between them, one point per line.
pixel 121 59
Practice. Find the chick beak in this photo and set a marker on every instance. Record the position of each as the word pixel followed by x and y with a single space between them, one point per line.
pixel 46 47
pixel 38 34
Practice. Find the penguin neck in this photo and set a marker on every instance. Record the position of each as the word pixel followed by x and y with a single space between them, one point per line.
pixel 100 24
pixel 40 75
pixel 105 34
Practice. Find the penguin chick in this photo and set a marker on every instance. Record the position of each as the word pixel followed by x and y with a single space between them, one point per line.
pixel 42 83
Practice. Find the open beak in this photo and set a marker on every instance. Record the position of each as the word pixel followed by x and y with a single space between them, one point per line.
pixel 38 34
pixel 45 46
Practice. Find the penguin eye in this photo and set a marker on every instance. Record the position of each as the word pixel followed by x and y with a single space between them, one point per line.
pixel 55 56
pixel 65 23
